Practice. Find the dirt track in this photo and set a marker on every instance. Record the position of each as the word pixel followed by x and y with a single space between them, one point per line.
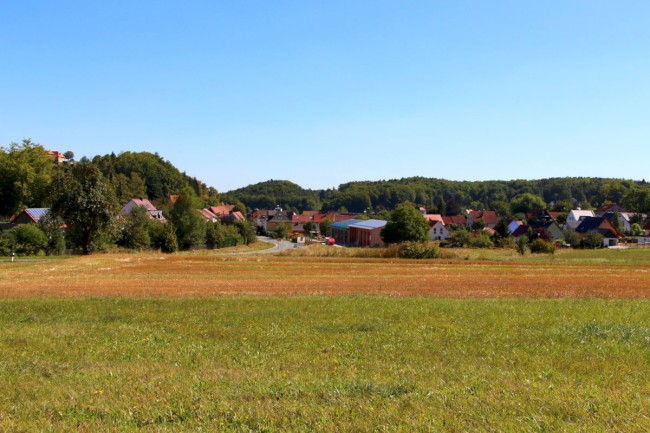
pixel 134 275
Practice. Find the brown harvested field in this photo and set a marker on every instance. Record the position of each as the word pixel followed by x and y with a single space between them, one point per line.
pixel 153 275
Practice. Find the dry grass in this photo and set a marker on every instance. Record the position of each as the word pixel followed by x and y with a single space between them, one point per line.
pixel 154 275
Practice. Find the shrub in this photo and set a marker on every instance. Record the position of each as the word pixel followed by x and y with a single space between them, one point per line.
pixel 27 239
pixel 593 240
pixel 540 246
pixel 572 238
pixel 459 238
pixel 418 250
pixel 522 244
pixel 482 240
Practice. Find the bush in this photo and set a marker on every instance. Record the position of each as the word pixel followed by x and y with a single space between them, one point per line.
pixel 26 240
pixel 572 238
pixel 540 246
pixel 418 250
pixel 593 240
pixel 522 244
pixel 459 238
pixel 482 240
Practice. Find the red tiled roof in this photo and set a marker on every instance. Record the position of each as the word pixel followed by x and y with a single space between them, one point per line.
pixel 489 230
pixel 207 214
pixel 220 210
pixel 143 202
pixel 457 219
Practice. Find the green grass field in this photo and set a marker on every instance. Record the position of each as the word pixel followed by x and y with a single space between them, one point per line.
pixel 330 364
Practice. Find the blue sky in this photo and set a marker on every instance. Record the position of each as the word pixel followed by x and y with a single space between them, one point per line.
pixel 322 93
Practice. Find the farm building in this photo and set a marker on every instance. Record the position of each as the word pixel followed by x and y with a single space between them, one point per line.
pixel 367 233
pixel 340 231
pixel 30 215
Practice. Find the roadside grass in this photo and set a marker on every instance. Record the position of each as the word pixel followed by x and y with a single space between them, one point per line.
pixel 342 363
pixel 568 255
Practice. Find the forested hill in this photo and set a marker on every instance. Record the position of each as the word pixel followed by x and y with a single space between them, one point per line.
pixel 144 174
pixel 272 193
pixel 444 196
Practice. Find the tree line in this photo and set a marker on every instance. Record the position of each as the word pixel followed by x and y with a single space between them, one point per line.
pixel 447 197
pixel 85 198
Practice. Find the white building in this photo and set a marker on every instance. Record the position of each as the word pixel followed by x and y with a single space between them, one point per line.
pixel 575 217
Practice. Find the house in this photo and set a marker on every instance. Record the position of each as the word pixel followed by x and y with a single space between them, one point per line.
pixel 31 215
pixel 514 225
pixel 271 223
pixel 603 226
pixel 208 215
pixel 153 213
pixel 520 231
pixel 488 217
pixel 575 217
pixel 623 219
pixel 367 233
pixel 340 231
pixel 222 209
pixel 57 156
pixel 610 207
pixel 437 230
pixel 547 229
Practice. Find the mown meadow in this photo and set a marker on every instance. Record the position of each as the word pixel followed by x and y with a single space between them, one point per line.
pixel 324 363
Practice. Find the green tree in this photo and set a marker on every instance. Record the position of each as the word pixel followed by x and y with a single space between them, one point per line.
pixel 55 232
pixel 27 239
pixel 25 176
pixel 189 224
pixel 309 227
pixel 135 229
pixel 325 225
pixel 459 238
pixel 572 238
pixel 482 239
pixel 406 224
pixel 247 231
pixel 522 244
pixel 214 234
pixel 593 240
pixel 636 229
pixel 85 201
pixel 527 202
pixel 282 230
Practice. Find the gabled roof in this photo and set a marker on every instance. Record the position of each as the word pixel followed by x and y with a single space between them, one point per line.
pixel 35 213
pixel 456 219
pixel 344 224
pixel 611 207
pixel 487 216
pixel 601 224
pixel 237 215
pixel 489 230
pixel 369 224
pixel 220 210
pixel 433 218
pixel 589 223
pixel 207 214
pixel 577 213
pixel 142 202
pixel 521 230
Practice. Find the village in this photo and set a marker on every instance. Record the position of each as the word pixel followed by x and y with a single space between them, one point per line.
pixel 609 225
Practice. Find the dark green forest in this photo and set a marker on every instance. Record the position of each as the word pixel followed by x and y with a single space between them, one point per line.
pixel 448 197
